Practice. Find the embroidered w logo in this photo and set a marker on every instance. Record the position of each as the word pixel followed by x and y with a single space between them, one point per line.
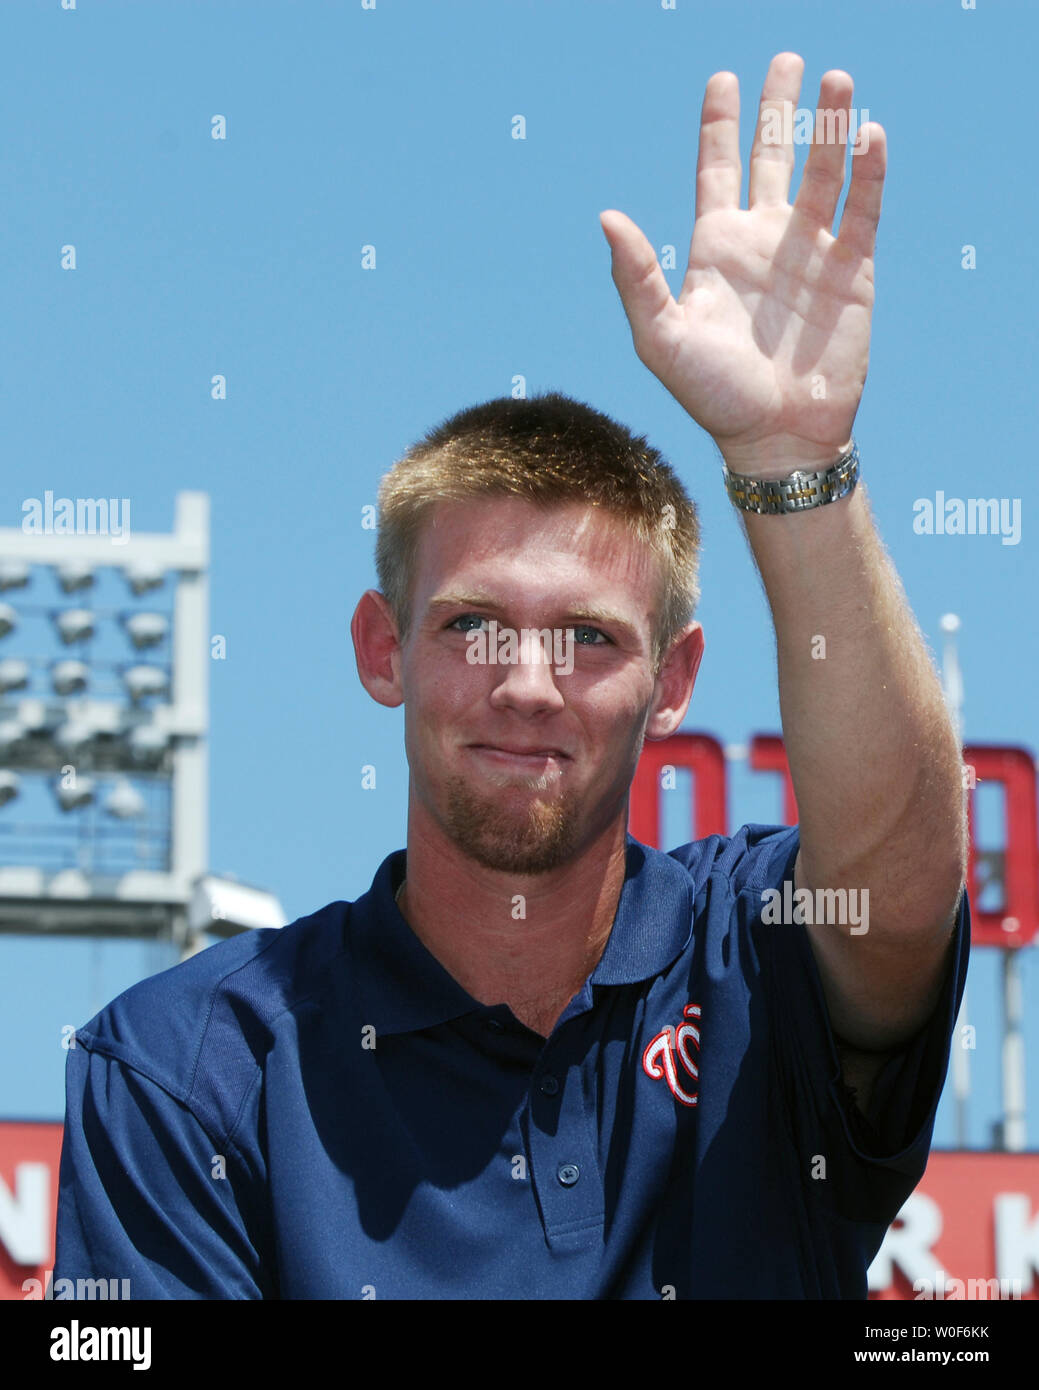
pixel 659 1058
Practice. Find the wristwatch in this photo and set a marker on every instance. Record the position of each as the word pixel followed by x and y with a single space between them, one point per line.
pixel 797 493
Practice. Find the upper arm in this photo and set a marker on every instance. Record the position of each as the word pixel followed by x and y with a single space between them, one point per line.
pixel 146 1194
pixel 881 986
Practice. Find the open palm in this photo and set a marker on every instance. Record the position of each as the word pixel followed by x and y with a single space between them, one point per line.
pixel 767 345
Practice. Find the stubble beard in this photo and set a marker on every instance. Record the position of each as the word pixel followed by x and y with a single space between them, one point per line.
pixel 531 840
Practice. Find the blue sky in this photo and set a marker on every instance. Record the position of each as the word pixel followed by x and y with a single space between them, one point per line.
pixel 392 127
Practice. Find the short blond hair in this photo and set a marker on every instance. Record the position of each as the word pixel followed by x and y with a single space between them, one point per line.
pixel 548 449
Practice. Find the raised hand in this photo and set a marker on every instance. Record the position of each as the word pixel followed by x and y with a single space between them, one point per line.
pixel 768 343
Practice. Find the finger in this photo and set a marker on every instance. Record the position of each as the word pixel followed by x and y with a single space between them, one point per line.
pixel 640 282
pixel 772 154
pixel 858 229
pixel 718 168
pixel 823 176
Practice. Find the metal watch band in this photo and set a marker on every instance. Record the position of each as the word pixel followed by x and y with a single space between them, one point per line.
pixel 797 493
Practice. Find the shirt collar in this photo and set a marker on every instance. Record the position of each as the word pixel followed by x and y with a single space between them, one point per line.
pixel 654 918
pixel 405 988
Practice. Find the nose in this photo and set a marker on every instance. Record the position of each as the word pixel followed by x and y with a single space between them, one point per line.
pixel 529 685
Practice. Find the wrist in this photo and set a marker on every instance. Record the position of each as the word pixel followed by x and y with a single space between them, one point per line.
pixel 798 491
pixel 779 456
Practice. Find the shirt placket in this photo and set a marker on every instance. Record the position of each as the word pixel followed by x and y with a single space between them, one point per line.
pixel 563 1154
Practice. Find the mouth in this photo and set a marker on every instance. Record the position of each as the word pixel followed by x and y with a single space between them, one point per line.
pixel 525 759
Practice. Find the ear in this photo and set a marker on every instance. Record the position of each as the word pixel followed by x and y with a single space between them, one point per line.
pixel 377 649
pixel 675 683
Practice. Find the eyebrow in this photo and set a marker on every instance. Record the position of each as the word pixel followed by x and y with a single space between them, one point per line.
pixel 582 614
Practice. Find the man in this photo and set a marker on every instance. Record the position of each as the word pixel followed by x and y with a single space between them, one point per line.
pixel 537 1059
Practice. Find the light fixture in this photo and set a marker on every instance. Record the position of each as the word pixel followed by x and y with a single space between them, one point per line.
pixel 14 574
pixel 70 677
pixel 69 883
pixel 142 575
pixel 124 801
pixel 14 674
pixel 147 629
pixel 74 575
pixel 79 794
pixel 224 906
pixel 35 717
pixel 74 737
pixel 74 625
pixel 142 681
pixel 11 735
pixel 147 743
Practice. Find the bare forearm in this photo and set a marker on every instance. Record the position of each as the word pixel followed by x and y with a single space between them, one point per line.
pixel 873 756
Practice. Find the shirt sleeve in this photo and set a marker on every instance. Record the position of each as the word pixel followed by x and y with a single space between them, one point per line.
pixel 146 1194
pixel 874 1158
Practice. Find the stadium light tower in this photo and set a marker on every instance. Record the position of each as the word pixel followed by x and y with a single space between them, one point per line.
pixel 114 725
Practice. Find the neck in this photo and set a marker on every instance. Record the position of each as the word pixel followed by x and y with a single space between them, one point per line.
pixel 525 940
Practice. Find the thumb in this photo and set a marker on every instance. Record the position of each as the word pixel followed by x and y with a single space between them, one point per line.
pixel 636 272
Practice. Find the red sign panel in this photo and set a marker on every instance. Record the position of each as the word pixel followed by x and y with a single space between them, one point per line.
pixel 29 1155
pixel 969 1231
pixel 1016 920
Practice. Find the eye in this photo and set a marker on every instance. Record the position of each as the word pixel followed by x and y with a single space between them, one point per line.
pixel 585 636
pixel 466 618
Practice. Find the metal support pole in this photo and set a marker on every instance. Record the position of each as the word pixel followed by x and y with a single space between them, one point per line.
pixel 1014 1135
pixel 961 1074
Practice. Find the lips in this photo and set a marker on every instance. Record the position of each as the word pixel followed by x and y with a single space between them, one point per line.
pixel 519 752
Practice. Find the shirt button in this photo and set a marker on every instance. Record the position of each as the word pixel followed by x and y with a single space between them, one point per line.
pixel 568 1173
pixel 549 1086
pixel 494 1025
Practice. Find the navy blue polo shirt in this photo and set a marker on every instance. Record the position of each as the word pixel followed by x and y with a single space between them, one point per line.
pixel 322 1111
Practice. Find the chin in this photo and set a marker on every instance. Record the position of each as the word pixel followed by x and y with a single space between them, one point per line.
pixel 530 840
